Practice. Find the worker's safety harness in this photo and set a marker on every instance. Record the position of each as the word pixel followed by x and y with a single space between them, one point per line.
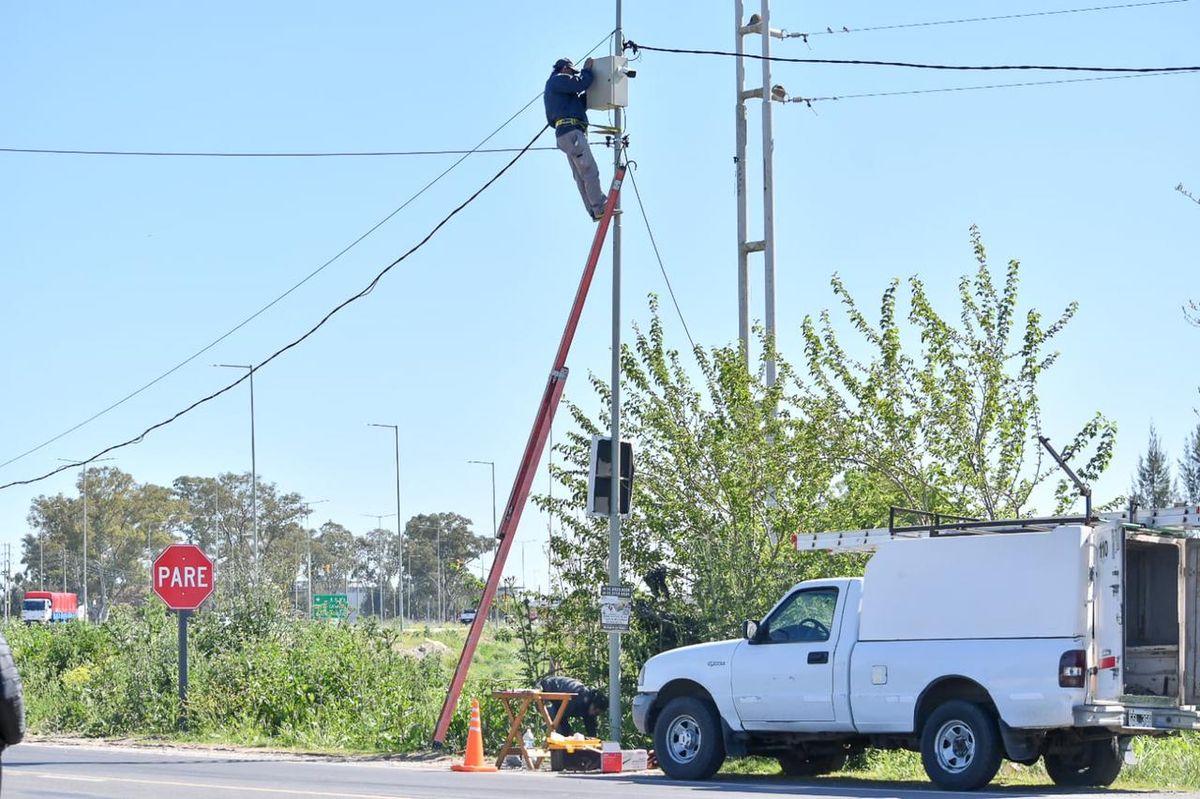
pixel 584 126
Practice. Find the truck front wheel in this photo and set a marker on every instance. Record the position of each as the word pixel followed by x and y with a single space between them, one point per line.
pixel 688 740
pixel 1095 763
pixel 960 746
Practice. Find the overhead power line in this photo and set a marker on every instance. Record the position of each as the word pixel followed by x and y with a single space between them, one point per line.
pixel 329 262
pixel 188 154
pixel 998 18
pixel 295 286
pixel 909 64
pixel 364 292
pixel 811 100
pixel 657 255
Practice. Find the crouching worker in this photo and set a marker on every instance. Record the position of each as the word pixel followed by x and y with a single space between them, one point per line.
pixel 587 705
pixel 566 111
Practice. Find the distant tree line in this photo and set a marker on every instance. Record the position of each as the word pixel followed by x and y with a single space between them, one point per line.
pixel 129 522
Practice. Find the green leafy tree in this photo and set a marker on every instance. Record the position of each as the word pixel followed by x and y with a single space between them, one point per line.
pixel 377 565
pixel 725 472
pixel 951 424
pixel 437 548
pixel 127 522
pixel 335 556
pixel 216 513
pixel 1152 481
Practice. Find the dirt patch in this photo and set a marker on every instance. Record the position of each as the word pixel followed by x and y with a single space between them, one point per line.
pixel 426 649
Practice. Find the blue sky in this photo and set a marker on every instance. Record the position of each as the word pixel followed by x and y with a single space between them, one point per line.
pixel 115 269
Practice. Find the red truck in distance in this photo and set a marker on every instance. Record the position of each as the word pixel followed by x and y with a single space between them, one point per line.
pixel 44 607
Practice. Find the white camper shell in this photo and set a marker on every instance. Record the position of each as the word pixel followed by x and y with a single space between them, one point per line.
pixel 1130 589
pixel 967 641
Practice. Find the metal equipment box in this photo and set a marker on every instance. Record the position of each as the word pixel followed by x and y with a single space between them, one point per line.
pixel 610 87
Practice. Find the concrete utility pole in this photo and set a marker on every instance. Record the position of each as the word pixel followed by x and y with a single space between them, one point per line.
pixel 86 608
pixel 253 461
pixel 739 180
pixel 614 508
pixel 760 24
pixel 399 527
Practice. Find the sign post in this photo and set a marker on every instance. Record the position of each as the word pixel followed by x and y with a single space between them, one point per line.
pixel 182 576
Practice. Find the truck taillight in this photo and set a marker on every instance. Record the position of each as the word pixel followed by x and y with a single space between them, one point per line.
pixel 1072 669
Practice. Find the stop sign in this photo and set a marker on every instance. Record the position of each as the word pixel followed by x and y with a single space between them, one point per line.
pixel 182 576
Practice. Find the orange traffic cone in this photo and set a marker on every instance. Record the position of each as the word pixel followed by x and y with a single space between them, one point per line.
pixel 473 761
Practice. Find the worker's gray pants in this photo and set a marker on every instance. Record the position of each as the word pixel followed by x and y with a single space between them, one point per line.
pixel 583 166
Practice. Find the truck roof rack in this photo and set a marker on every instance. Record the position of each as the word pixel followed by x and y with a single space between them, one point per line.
pixel 938 525
pixel 1182 519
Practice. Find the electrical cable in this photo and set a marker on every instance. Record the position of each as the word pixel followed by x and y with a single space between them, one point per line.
pixel 1024 15
pixel 810 100
pixel 907 64
pixel 187 154
pixel 364 292
pixel 658 255
pixel 297 285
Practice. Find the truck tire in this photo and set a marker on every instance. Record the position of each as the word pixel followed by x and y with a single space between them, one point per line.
pixel 688 739
pixel 798 764
pixel 960 746
pixel 1097 765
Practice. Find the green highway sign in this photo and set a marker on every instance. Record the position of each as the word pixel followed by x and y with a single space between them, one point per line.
pixel 330 606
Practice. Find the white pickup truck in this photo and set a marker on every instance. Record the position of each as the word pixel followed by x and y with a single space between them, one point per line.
pixel 1037 639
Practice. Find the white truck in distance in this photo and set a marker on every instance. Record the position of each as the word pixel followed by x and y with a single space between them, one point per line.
pixel 1025 639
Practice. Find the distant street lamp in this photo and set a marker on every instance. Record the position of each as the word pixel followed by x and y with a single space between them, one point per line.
pixel 87 608
pixel 438 529
pixel 379 517
pixel 399 528
pixel 308 538
pixel 253 459
pixel 492 464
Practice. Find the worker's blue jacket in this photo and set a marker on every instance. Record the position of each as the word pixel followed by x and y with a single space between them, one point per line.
pixel 564 99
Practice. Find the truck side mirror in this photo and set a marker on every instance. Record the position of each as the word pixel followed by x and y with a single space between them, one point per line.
pixel 750 630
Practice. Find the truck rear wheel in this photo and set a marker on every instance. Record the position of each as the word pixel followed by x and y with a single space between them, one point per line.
pixel 1096 764
pixel 960 746
pixel 688 740
pixel 797 764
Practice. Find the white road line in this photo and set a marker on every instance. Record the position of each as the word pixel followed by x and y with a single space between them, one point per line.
pixel 220 788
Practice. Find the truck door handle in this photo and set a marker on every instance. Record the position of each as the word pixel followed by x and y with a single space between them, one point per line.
pixel 818 657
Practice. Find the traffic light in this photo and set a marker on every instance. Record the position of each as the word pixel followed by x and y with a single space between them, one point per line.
pixel 600 477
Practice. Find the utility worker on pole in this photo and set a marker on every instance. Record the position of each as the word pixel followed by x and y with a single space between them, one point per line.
pixel 566 110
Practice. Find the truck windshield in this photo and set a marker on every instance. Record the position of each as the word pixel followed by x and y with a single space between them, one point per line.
pixel 36 604
pixel 804 616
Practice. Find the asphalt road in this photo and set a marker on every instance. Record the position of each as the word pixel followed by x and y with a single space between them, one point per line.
pixel 43 771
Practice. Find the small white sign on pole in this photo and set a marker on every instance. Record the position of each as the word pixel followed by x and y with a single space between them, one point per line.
pixel 615 606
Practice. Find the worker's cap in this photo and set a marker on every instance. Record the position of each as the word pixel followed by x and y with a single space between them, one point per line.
pixel 564 62
pixel 598 699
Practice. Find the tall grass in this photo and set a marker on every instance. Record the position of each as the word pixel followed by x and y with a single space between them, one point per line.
pixel 256 677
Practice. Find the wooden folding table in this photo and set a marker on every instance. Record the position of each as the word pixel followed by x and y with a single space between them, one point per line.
pixel 523 699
